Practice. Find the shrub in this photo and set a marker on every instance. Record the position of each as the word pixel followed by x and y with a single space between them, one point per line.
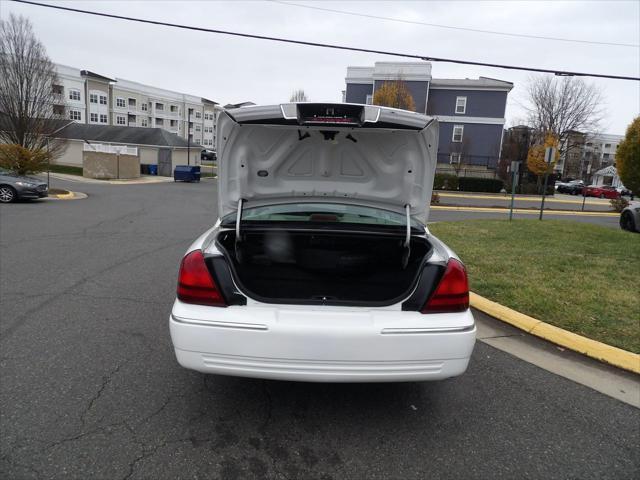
pixel 473 184
pixel 619 204
pixel 533 189
pixel 445 181
pixel 21 160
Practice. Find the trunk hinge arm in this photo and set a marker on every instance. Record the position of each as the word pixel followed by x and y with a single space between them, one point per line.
pixel 406 251
pixel 238 250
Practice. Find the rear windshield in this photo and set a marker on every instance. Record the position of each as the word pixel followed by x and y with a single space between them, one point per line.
pixel 323 213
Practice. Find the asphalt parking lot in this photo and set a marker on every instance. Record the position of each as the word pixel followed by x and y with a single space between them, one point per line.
pixel 89 386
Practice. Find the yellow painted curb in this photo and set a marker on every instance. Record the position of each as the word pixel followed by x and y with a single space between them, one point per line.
pixel 64 196
pixel 591 348
pixel 527 199
pixel 524 211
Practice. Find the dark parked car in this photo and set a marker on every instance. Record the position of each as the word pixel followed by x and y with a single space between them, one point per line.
pixel 574 187
pixel 15 187
pixel 630 217
pixel 207 155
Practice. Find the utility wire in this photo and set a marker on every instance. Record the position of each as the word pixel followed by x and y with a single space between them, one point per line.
pixel 327 45
pixel 467 29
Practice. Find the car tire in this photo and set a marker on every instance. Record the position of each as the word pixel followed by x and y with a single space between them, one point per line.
pixel 627 222
pixel 7 194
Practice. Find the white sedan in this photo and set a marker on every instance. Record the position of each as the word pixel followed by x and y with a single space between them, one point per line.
pixel 320 266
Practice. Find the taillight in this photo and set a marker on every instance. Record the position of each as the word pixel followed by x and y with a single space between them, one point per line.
pixel 195 284
pixel 452 293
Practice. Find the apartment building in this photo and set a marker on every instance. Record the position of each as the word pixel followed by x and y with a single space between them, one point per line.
pixel 90 98
pixel 584 154
pixel 471 112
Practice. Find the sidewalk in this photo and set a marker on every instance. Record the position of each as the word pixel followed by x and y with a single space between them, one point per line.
pixel 132 181
pixel 557 198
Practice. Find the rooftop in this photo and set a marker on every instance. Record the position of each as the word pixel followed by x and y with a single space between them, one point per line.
pixel 121 134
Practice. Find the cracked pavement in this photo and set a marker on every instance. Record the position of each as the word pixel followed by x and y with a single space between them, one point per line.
pixel 89 386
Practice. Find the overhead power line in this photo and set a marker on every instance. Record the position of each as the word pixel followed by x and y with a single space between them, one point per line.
pixel 451 27
pixel 328 45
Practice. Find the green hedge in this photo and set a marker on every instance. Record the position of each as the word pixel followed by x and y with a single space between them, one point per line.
pixel 445 181
pixel 473 184
pixel 533 189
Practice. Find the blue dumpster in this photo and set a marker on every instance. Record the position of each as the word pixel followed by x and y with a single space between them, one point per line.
pixel 153 169
pixel 186 173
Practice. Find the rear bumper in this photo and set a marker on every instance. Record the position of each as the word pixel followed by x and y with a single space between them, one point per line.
pixel 323 346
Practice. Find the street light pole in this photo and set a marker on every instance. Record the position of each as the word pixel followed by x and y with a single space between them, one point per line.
pixel 188 136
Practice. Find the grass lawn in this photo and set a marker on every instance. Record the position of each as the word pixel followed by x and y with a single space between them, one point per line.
pixel 66 169
pixel 577 276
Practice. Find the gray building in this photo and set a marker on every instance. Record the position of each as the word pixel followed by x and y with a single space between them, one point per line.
pixel 471 112
pixel 150 146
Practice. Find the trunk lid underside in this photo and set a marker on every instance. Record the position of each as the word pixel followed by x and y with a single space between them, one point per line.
pixel 279 155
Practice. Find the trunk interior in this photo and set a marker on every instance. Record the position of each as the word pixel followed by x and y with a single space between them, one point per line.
pixel 316 267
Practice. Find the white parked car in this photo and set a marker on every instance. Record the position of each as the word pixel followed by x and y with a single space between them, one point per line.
pixel 320 267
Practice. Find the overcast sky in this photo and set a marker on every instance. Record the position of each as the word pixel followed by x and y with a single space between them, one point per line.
pixel 229 69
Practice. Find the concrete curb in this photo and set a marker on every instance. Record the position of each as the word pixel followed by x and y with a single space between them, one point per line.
pixel 591 348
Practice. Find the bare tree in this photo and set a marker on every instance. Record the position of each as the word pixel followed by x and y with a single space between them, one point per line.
pixel 298 96
pixel 562 106
pixel 27 98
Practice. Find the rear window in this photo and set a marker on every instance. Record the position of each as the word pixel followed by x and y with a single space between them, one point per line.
pixel 323 213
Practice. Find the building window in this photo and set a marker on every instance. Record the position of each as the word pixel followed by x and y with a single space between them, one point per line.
pixel 197 128
pixel 144 107
pixel 198 115
pixel 103 99
pixel 455 157
pixel 458 130
pixel 369 99
pixel 461 105
pixel 605 156
pixel 144 122
pixel 120 120
pixel 93 98
pixel 159 122
pixel 197 140
pixel 159 106
pixel 132 103
pixel 57 89
pixel 607 145
pixel 93 117
pixel 173 108
pixel 173 123
pixel 103 118
pixel 120 102
pixel 74 94
pixel 75 115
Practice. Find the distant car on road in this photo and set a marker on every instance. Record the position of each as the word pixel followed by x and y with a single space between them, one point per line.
pixel 624 191
pixel 574 187
pixel 630 218
pixel 16 187
pixel 601 191
pixel 207 155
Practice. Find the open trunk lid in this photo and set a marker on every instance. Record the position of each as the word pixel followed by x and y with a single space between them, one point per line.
pixel 341 153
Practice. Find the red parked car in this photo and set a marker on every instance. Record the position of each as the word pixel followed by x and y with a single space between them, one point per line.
pixel 601 191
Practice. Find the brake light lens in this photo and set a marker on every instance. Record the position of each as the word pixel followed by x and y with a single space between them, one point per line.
pixel 195 284
pixel 452 293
